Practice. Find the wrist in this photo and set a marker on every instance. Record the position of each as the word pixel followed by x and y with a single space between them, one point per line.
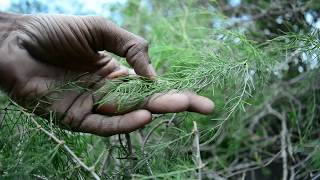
pixel 7 25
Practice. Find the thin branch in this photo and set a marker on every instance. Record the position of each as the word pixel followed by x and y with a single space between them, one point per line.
pixel 106 161
pixel 317 176
pixel 150 132
pixel 283 134
pixel 146 138
pixel 130 154
pixel 292 174
pixel 141 138
pixel 257 118
pixel 196 146
pixel 172 119
pixel 62 143
pixel 239 169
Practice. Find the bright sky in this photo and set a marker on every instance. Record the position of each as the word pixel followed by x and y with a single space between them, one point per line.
pixel 4 4
pixel 95 5
pixel 72 6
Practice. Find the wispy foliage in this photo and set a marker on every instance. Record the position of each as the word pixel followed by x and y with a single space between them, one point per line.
pixel 266 116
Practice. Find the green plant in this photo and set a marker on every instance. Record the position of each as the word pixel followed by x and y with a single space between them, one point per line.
pixel 266 113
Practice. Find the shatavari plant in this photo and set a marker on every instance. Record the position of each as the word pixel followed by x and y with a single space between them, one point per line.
pixel 266 121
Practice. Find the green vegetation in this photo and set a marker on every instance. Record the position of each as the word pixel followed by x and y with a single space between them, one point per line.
pixel 266 122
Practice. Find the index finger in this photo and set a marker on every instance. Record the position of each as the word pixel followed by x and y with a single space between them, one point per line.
pixel 121 42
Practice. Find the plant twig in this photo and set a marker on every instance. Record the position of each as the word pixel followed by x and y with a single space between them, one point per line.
pixel 196 146
pixel 283 134
pixel 145 140
pixel 130 154
pixel 62 143
pixel 106 160
pixel 239 169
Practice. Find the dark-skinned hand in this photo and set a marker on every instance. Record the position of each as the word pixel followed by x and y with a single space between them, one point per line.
pixel 39 52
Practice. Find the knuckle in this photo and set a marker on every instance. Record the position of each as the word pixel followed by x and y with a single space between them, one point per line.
pixel 112 65
pixel 138 49
pixel 73 121
pixel 118 126
pixel 142 44
pixel 115 127
pixel 70 119
pixel 138 45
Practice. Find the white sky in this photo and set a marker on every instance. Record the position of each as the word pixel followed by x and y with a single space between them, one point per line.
pixel 4 4
pixel 95 5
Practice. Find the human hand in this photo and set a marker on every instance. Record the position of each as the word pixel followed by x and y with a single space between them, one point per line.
pixel 38 53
